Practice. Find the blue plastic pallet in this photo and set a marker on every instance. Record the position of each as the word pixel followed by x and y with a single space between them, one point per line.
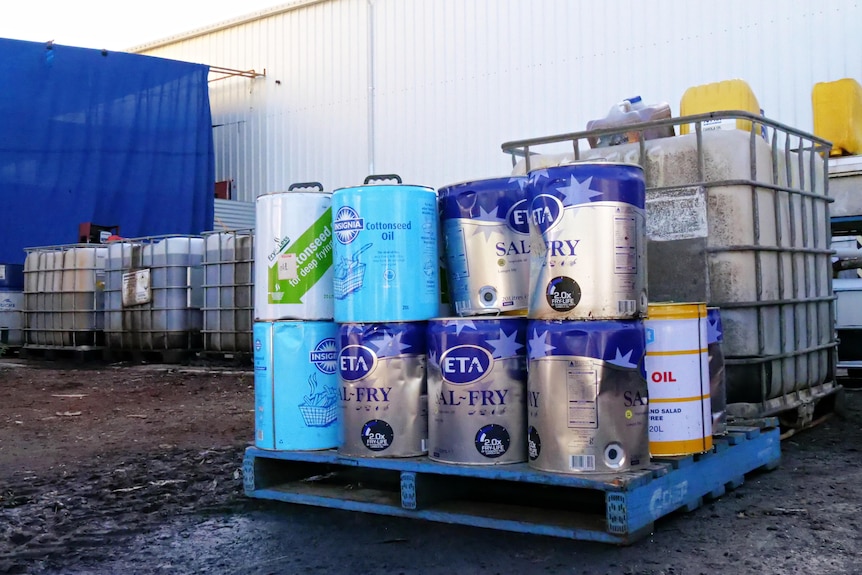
pixel 612 508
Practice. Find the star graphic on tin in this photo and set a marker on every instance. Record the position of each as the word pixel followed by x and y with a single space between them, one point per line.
pixel 490 217
pixel 623 360
pixel 713 331
pixel 460 324
pixel 578 192
pixel 355 328
pixel 520 180
pixel 391 346
pixel 505 345
pixel 538 347
pixel 543 173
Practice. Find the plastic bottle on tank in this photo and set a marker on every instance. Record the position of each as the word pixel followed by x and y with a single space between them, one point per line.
pixel 837 110
pixel 725 95
pixel 630 111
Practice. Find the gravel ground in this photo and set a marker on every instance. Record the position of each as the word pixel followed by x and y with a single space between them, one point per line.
pixel 137 469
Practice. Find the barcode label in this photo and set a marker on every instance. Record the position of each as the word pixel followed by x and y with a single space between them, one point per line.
pixel 583 463
pixel 626 306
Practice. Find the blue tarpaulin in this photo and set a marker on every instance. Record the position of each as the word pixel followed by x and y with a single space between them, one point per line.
pixel 103 137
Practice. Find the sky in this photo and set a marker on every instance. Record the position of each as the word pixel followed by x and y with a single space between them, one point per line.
pixel 116 25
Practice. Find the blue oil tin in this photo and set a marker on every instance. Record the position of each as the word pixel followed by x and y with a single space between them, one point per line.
pixel 295 385
pixel 386 265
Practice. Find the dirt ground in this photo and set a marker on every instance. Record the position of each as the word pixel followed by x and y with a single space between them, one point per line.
pixel 137 469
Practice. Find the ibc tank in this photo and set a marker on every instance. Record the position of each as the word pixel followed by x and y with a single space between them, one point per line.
pixel 741 222
pixel 11 305
pixel 228 305
pixel 154 294
pixel 63 296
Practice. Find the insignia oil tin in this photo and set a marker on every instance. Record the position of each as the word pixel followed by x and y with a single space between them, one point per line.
pixel 386 261
pixel 295 385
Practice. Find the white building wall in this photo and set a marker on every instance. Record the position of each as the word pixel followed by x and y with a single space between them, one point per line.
pixel 453 79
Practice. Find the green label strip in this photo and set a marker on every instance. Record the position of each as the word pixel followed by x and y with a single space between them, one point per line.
pixel 312 261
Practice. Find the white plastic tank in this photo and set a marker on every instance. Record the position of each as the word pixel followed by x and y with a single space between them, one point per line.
pixel 228 307
pixel 63 296
pixel 154 294
pixel 11 305
pixel 34 288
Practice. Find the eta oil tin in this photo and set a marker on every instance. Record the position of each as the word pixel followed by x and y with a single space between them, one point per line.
pixel 717 382
pixel 485 225
pixel 477 383
pixel 587 402
pixel 383 390
pixel 587 228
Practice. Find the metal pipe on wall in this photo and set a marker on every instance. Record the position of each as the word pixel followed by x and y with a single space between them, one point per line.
pixel 370 40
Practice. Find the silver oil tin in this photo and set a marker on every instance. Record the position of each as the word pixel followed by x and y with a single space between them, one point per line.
pixel 485 225
pixel 587 402
pixel 717 383
pixel 477 383
pixel 587 232
pixel 383 391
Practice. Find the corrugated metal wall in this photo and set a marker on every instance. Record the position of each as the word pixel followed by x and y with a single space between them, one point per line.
pixel 233 215
pixel 453 79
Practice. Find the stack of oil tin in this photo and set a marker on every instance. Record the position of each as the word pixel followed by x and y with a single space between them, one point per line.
pixel 386 286
pixel 565 247
pixel 588 397
pixel 545 359
pixel 477 371
pixel 296 389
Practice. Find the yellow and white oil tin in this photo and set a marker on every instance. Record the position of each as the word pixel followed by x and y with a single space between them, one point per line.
pixel 677 367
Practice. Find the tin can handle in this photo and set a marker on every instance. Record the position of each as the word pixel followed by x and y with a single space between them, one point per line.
pixel 382 177
pixel 303 185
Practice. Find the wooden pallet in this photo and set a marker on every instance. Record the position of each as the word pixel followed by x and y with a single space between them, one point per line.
pixel 620 508
pixel 170 356
pixel 849 374
pixel 796 411
pixel 225 358
pixel 81 354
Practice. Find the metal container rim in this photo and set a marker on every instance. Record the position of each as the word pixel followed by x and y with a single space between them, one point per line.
pixel 403 187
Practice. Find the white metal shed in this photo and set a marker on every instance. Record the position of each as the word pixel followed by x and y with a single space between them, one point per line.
pixel 430 89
